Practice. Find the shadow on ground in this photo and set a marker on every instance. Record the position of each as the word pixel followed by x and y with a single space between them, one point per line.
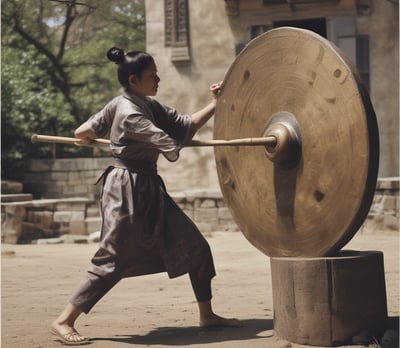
pixel 184 336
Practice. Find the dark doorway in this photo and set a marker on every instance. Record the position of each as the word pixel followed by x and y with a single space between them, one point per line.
pixel 317 25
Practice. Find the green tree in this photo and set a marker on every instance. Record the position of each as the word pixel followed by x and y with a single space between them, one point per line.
pixel 54 69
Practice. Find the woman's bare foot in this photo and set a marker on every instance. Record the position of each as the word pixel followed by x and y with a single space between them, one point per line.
pixel 217 321
pixel 63 327
pixel 67 334
pixel 209 319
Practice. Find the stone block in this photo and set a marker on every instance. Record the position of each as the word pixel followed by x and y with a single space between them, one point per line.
pixel 392 183
pixel 77 215
pixel 78 227
pixel 50 241
pixel 48 204
pixel 196 194
pixel 221 203
pixel 391 222
pixel 387 205
pixel 74 177
pixel 208 203
pixel 40 165
pixel 189 206
pixel 71 206
pixel 224 214
pixel 93 224
pixel 62 216
pixel 178 197
pixel 65 165
pixel 78 189
pixel 189 213
pixel 197 202
pixel 180 205
pixel 42 219
pixel 37 177
pixel 11 225
pixel 30 216
pixel 88 164
pixel 16 197
pixel 61 228
pixel 59 176
pixel 74 239
pixel 206 228
pixel 29 231
pixel 47 219
pixel 94 237
pixel 11 187
pixel 209 215
pixel 93 212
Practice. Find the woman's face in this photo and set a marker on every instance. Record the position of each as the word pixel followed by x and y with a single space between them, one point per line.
pixel 147 84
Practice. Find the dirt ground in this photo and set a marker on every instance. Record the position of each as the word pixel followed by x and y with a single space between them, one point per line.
pixel 154 311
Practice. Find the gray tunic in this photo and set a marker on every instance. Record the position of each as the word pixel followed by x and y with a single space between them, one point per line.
pixel 143 230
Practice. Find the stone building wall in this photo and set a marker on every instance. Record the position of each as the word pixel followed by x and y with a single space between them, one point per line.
pixel 184 84
pixel 216 28
pixel 64 178
pixel 382 26
pixel 384 215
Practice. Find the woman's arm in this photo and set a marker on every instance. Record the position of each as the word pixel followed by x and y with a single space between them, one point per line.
pixel 98 125
pixel 200 118
pixel 85 134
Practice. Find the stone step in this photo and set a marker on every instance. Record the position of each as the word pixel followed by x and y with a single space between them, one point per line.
pixel 93 212
pixel 8 187
pixel 93 224
pixel 16 197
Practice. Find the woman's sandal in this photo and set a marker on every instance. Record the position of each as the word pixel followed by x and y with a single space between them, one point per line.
pixel 69 338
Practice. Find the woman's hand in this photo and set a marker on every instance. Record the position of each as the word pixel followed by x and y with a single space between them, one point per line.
pixel 83 141
pixel 200 117
pixel 84 134
pixel 215 89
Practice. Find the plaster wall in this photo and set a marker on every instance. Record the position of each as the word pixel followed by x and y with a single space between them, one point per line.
pixel 184 86
pixel 213 38
pixel 382 25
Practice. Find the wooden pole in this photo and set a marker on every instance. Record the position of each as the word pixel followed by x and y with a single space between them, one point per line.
pixel 269 140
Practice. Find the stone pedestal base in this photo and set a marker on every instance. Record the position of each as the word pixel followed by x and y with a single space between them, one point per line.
pixel 326 301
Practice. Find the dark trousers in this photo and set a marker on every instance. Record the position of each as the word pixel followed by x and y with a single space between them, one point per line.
pixel 94 287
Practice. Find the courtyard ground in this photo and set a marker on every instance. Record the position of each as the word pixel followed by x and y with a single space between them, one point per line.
pixel 154 310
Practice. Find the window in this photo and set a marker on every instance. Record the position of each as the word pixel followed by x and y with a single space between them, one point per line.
pixel 357 49
pixel 177 29
pixel 317 25
pixel 294 2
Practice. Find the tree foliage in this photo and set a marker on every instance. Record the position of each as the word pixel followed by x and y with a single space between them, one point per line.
pixel 54 68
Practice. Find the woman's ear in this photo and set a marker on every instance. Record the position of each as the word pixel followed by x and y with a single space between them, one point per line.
pixel 132 80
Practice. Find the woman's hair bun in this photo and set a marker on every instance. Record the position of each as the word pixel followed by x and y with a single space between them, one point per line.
pixel 116 55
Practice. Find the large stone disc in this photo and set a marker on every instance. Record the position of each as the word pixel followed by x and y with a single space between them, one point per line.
pixel 314 205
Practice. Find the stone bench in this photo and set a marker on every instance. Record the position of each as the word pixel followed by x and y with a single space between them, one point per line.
pixel 27 221
pixel 16 197
pixel 24 221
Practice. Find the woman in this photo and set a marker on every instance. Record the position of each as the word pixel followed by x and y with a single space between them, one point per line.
pixel 143 230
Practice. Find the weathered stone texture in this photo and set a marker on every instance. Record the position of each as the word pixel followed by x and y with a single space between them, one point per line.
pixel 24 221
pixel 53 178
pixel 384 213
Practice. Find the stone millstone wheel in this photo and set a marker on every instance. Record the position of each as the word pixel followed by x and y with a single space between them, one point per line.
pixel 309 193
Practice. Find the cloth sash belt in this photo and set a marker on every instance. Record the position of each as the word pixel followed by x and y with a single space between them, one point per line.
pixel 142 167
